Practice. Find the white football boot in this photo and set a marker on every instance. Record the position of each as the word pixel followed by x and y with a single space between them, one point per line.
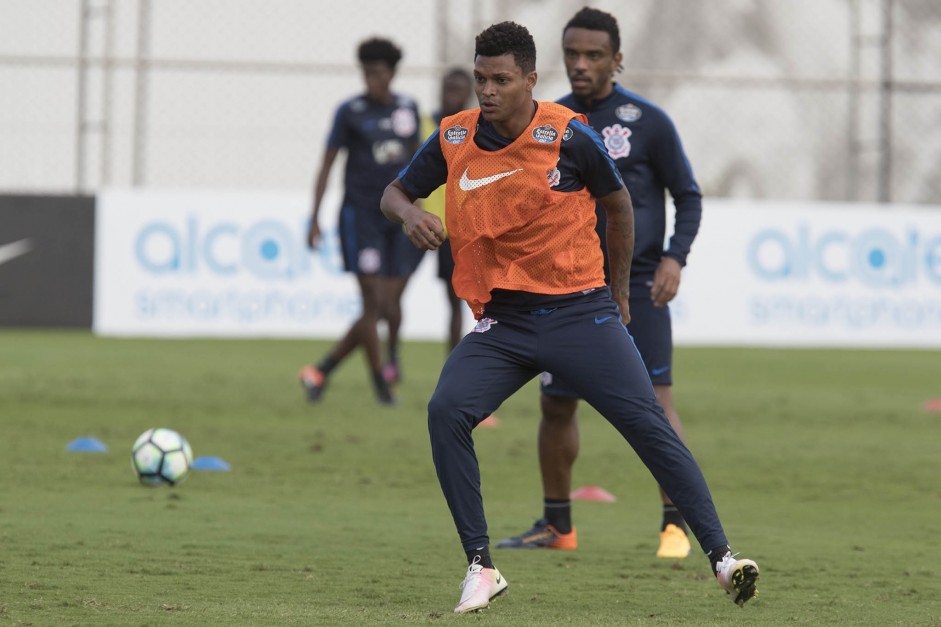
pixel 480 585
pixel 737 578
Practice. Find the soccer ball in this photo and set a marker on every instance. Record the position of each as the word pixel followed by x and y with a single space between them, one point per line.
pixel 161 457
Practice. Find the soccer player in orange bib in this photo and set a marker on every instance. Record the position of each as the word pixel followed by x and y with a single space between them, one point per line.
pixel 522 180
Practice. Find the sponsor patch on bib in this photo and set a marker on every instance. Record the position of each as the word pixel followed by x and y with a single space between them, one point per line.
pixel 455 134
pixel 545 134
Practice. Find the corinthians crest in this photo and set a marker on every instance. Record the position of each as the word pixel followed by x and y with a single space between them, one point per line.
pixel 616 140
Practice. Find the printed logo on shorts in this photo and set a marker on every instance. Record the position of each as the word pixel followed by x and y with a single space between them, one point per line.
pixel 628 113
pixel 404 123
pixel 545 134
pixel 554 176
pixel 369 261
pixel 616 140
pixel 483 325
pixel 455 134
pixel 545 379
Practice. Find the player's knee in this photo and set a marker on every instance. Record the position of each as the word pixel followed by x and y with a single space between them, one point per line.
pixel 441 407
pixel 558 410
pixel 444 417
pixel 371 310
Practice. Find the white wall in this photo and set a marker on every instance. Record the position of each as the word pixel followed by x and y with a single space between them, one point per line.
pixel 240 93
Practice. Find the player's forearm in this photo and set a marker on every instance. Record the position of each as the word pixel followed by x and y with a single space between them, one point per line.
pixel 685 227
pixel 323 175
pixel 320 188
pixel 396 204
pixel 423 229
pixel 620 240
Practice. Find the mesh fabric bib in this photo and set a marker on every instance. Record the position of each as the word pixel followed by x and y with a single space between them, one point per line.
pixel 509 228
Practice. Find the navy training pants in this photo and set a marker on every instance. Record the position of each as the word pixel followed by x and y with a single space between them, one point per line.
pixel 584 343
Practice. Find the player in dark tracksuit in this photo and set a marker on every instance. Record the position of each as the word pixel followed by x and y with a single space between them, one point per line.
pixel 644 144
pixel 521 181
pixel 379 131
pixel 379 138
pixel 641 139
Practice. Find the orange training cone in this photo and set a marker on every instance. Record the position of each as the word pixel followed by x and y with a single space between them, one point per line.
pixel 490 422
pixel 592 493
pixel 933 404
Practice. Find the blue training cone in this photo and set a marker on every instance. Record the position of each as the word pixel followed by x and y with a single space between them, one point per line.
pixel 87 445
pixel 210 463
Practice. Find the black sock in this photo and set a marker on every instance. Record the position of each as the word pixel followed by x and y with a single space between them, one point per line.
pixel 672 516
pixel 393 354
pixel 382 386
pixel 327 364
pixel 480 555
pixel 716 555
pixel 558 513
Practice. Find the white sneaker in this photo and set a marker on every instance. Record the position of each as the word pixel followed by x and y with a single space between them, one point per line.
pixel 480 585
pixel 737 578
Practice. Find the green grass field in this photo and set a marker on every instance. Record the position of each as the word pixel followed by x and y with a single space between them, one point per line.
pixel 825 467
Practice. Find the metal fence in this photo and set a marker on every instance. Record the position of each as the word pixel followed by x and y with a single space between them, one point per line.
pixel 796 99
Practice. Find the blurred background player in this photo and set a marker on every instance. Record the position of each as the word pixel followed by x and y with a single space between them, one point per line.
pixel 380 132
pixel 644 144
pixel 456 91
pixel 523 179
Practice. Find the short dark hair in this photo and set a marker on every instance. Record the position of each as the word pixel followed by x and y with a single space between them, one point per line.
pixel 593 19
pixel 507 38
pixel 458 72
pixel 378 49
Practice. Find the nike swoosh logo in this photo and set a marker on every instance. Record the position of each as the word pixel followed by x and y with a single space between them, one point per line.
pixel 499 578
pixel 602 320
pixel 659 371
pixel 9 252
pixel 468 183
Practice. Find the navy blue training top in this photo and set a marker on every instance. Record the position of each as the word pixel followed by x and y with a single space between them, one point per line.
pixel 641 139
pixel 379 140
